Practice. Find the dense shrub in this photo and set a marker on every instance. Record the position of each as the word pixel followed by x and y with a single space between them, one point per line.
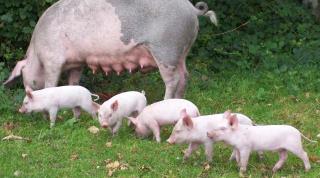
pixel 275 34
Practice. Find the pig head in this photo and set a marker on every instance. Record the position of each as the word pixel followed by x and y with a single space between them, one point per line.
pixel 112 36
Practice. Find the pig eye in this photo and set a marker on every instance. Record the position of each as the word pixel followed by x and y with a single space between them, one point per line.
pixel 26 102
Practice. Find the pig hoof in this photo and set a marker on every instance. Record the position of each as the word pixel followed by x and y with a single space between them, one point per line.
pixel 185 159
pixel 274 170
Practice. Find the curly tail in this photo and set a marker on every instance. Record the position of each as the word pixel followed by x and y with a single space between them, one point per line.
pixel 143 92
pixel 203 10
pixel 312 141
pixel 97 97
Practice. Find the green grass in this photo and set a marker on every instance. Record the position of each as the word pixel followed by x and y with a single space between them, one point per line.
pixel 269 97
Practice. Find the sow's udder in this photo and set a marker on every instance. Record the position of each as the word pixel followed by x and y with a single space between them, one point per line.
pixel 137 58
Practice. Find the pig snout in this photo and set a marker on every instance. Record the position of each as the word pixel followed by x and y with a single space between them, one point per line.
pixel 22 110
pixel 211 135
pixel 104 125
pixel 170 141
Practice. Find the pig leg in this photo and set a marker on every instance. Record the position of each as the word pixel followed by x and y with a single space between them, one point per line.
pixel 74 76
pixel 208 151
pixel 134 114
pixel 46 115
pixel 167 58
pixel 116 127
pixel 233 155
pixel 53 116
pixel 283 155
pixel 192 147
pixel 171 77
pixel 244 157
pixel 89 108
pixel 238 157
pixel 52 73
pixel 76 112
pixel 183 79
pixel 303 156
pixel 260 154
pixel 155 128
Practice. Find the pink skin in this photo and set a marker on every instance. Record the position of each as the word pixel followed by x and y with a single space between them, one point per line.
pixel 194 131
pixel 112 112
pixel 50 100
pixel 76 49
pixel 246 138
pixel 69 46
pixel 166 112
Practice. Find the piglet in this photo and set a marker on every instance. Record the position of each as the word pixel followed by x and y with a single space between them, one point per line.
pixel 50 100
pixel 247 138
pixel 194 131
pixel 166 112
pixel 112 112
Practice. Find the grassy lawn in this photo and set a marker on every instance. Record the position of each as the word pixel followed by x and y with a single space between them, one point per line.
pixel 70 150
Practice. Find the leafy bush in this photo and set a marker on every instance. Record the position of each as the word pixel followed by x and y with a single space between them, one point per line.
pixel 17 21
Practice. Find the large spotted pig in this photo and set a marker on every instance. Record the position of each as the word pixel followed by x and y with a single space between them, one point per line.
pixel 112 35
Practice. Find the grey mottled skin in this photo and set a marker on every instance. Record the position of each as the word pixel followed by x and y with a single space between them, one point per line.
pixel 145 21
pixel 103 33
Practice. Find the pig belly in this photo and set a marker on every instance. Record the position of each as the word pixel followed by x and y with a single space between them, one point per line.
pixel 167 121
pixel 137 58
pixel 103 48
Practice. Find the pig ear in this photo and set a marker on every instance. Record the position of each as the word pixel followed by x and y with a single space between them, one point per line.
pixel 95 106
pixel 115 105
pixel 233 121
pixel 187 121
pixel 227 114
pixel 29 92
pixel 183 113
pixel 133 120
pixel 16 72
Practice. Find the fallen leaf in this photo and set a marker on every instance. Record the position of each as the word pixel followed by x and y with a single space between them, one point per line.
pixel 307 95
pixel 24 155
pixel 17 173
pixel 113 165
pixel 93 129
pixel 109 144
pixel 74 157
pixel 314 158
pixel 123 167
pixel 8 127
pixel 119 156
pixel 144 168
pixel 14 137
pixel 110 173
pixel 206 166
